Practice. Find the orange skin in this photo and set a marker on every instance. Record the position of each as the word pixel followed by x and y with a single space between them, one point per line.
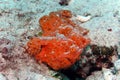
pixel 58 53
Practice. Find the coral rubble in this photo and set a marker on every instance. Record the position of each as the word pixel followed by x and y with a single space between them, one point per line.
pixel 93 59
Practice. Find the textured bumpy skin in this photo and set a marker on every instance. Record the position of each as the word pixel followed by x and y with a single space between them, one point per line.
pixel 52 22
pixel 52 49
pixel 59 54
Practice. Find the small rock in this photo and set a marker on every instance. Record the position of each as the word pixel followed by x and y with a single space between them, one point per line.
pixel 2 77
pixel 108 75
pixel 117 64
pixel 64 2
pixel 83 18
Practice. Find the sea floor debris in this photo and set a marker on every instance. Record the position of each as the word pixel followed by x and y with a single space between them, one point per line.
pixel 19 21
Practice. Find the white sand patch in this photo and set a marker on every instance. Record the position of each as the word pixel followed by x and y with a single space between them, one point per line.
pixel 103 37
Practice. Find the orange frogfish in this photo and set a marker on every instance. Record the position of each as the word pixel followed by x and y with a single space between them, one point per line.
pixel 61 43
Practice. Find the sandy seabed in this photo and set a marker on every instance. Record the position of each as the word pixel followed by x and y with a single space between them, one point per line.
pixel 19 20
